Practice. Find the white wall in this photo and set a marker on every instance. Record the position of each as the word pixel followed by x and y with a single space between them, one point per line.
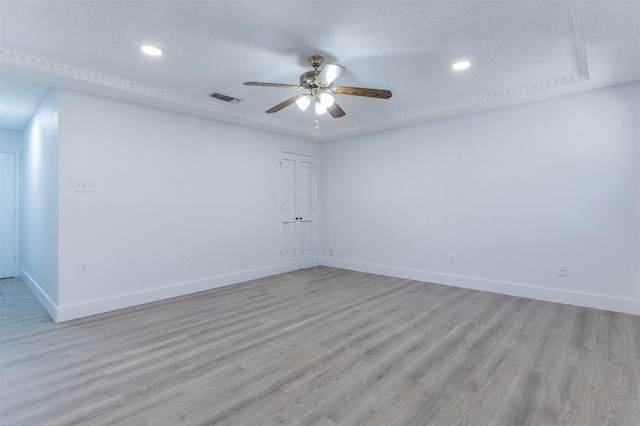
pixel 168 187
pixel 513 193
pixel 39 219
pixel 10 140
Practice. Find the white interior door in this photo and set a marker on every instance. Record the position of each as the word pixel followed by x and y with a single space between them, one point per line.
pixel 297 212
pixel 7 214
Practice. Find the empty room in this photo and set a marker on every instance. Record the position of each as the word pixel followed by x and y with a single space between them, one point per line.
pixel 230 212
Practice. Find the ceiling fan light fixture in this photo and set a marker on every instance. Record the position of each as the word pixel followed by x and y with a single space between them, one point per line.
pixel 461 65
pixel 303 102
pixel 151 50
pixel 326 99
pixel 319 89
pixel 320 109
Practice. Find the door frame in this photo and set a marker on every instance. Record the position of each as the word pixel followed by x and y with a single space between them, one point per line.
pixel 314 184
pixel 17 194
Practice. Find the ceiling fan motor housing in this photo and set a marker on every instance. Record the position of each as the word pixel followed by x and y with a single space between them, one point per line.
pixel 308 80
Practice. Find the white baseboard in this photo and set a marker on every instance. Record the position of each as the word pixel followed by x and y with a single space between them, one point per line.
pixel 93 307
pixel 49 305
pixel 589 300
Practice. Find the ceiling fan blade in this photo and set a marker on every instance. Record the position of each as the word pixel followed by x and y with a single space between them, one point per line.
pixel 361 91
pixel 329 73
pixel 286 86
pixel 284 104
pixel 335 110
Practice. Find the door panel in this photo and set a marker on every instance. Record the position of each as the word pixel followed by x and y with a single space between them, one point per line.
pixel 7 214
pixel 297 212
pixel 289 239
pixel 304 189
pixel 288 187
pixel 307 250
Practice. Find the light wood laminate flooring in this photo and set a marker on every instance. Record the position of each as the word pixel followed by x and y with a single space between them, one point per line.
pixel 321 346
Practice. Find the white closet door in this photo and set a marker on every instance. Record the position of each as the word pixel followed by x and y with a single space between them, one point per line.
pixel 297 212
pixel 7 214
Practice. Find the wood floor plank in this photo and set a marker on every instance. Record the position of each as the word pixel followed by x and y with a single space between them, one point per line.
pixel 313 418
pixel 63 406
pixel 450 311
pixel 496 305
pixel 488 383
pixel 311 368
pixel 384 405
pixel 295 403
pixel 633 331
pixel 582 330
pixel 374 321
pixel 435 358
pixel 343 401
pixel 418 407
pixel 330 323
pixel 96 413
pixel 492 331
pixel 609 408
pixel 237 407
pixel 321 346
pixel 635 363
pixel 544 351
pixel 465 413
pixel 570 395
pixel 530 322
pixel 613 371
pixel 523 402
pixel 455 375
pixel 214 395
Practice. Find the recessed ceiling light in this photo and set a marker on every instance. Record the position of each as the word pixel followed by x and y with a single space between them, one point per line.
pixel 151 50
pixel 462 65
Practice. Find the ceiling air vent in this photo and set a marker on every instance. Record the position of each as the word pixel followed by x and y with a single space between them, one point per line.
pixel 224 98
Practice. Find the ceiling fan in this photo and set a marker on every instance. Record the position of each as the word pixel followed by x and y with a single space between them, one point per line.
pixel 319 89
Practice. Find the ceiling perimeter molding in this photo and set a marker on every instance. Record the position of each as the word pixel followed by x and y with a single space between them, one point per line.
pixel 485 99
pixel 495 97
pixel 143 94
pixel 51 67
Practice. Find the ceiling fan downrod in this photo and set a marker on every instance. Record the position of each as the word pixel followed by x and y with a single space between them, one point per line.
pixel 316 61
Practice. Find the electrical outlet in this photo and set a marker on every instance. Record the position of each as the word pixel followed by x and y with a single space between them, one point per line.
pixel 562 271
pixel 83 186
pixel 192 263
pixel 452 259
pixel 330 252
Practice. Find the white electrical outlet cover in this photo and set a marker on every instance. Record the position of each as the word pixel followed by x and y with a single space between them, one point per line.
pixel 83 186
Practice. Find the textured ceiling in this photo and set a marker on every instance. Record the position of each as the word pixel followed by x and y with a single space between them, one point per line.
pixel 519 51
